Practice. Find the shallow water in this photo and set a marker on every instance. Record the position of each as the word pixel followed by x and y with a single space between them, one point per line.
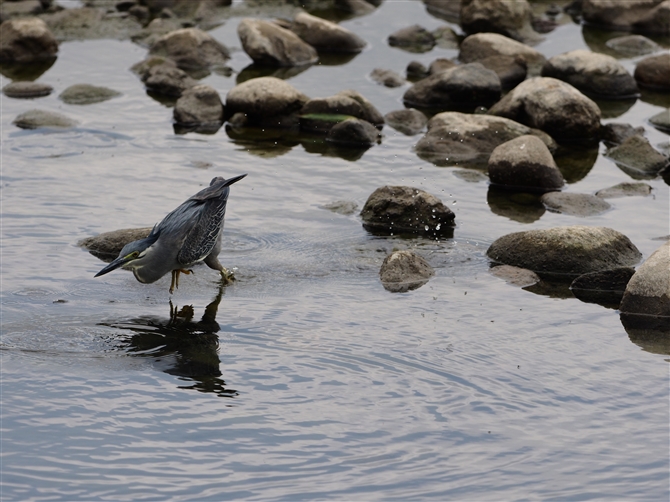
pixel 304 379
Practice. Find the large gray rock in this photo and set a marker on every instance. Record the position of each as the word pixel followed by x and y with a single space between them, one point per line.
pixel 507 17
pixel 592 73
pixel 575 204
pixel 643 16
pixel 654 72
pixel 553 106
pixel 199 105
pixel 326 36
pixel 27 90
pixel 454 137
pixel 648 291
pixel 483 45
pixel 271 45
pixel 465 86
pixel 637 156
pixel 26 41
pixel 525 163
pixel 191 48
pixel 264 97
pixel 108 245
pixel 86 94
pixel 34 119
pixel 403 271
pixel 406 210
pixel 573 250
pixel 408 121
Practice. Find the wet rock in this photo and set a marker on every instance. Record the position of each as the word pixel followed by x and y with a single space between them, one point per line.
pixel 408 121
pixel 167 80
pixel 449 10
pixel 26 41
pixel 510 70
pixel 483 45
pixel 23 8
pixel 465 86
pixel 553 106
pixel 573 250
pixel 575 204
pixel 525 163
pixel 326 36
pixel 446 37
pixel 347 102
pixel 108 245
pixel 34 119
pixel 648 292
pixel 199 105
pixel 440 64
pixel 455 137
pixel 625 190
pixel 392 210
pixel 86 94
pixel 592 73
pixel 637 156
pixel 387 78
pixel 654 72
pixel 156 29
pixel 191 48
pixel 470 175
pixel 89 23
pixel 355 7
pixel 353 131
pixel 414 38
pixel 604 288
pixel 265 98
pixel 345 207
pixel 633 45
pixel 615 134
pixel 403 271
pixel 508 17
pixel 416 70
pixel 27 90
pixel 661 120
pixel 321 123
pixel 515 276
pixel 523 207
pixel 270 45
pixel 644 16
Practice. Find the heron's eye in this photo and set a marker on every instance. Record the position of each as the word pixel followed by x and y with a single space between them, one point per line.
pixel 134 254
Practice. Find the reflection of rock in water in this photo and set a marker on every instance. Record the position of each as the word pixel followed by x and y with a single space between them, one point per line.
pixel 180 346
pixel 651 333
pixel 517 206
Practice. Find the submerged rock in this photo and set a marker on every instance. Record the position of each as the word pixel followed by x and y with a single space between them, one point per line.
pixel 625 190
pixel 553 106
pixel 525 163
pixel 199 105
pixel 26 41
pixel 344 103
pixel 592 73
pixel 661 121
pixel 353 131
pixel 648 292
pixel 345 207
pixel 483 45
pixel 108 245
pixel 27 90
pixel 191 48
pixel 573 250
pixel 271 45
pixel 521 277
pixel 414 38
pixel 392 210
pixel 654 72
pixel 387 78
pixel 575 204
pixel 34 119
pixel 615 134
pixel 85 94
pixel 604 288
pixel 403 271
pixel 408 121
pixel 326 36
pixel 633 45
pixel 638 158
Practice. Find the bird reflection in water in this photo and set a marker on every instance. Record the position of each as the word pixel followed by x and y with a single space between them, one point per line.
pixel 180 346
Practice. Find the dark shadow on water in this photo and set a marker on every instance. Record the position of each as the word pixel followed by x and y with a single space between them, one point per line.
pixel 179 345
pixel 22 71
pixel 517 206
pixel 282 72
pixel 613 108
pixel 575 161
pixel 650 333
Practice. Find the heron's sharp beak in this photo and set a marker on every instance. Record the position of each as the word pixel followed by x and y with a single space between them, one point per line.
pixel 121 260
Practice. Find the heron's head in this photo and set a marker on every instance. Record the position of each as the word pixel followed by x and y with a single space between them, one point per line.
pixel 130 257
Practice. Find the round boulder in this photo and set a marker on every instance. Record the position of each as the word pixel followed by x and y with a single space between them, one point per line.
pixel 199 105
pixel 354 132
pixel 27 90
pixel 654 72
pixel 483 45
pixel 573 250
pixel 526 163
pixel 347 102
pixel 592 73
pixel 264 97
pixel 408 121
pixel 26 40
pixel 86 94
pixel 167 79
pixel 403 271
pixel 553 106
pixel 191 48
pixel 326 36
pixel 392 210
pixel 269 44
pixel 508 17
pixel 34 119
pixel 575 204
pixel 648 291
pixel 465 86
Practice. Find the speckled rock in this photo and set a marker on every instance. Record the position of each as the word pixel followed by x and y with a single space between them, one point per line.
pixel 507 17
pixel 592 73
pixel 326 36
pixel 191 48
pixel 404 271
pixel 354 132
pixel 408 121
pixel 573 250
pixel 108 245
pixel 26 41
pixel 633 45
pixel 27 90
pixel 270 45
pixel 199 105
pixel 406 210
pixel 637 154
pixel 648 291
pixel 167 80
pixel 34 119
pixel 347 102
pixel 414 38
pixel 85 94
pixel 524 163
pixel 483 45
pixel 643 16
pixel 553 106
pixel 520 277
pixel 654 72
pixel 387 78
pixel 466 85
pixel 575 204
pixel 454 137
pixel 625 189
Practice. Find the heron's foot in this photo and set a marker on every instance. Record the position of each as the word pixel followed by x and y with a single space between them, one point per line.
pixel 227 276
pixel 174 284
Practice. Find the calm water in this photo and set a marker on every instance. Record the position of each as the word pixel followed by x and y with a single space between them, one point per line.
pixel 305 379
